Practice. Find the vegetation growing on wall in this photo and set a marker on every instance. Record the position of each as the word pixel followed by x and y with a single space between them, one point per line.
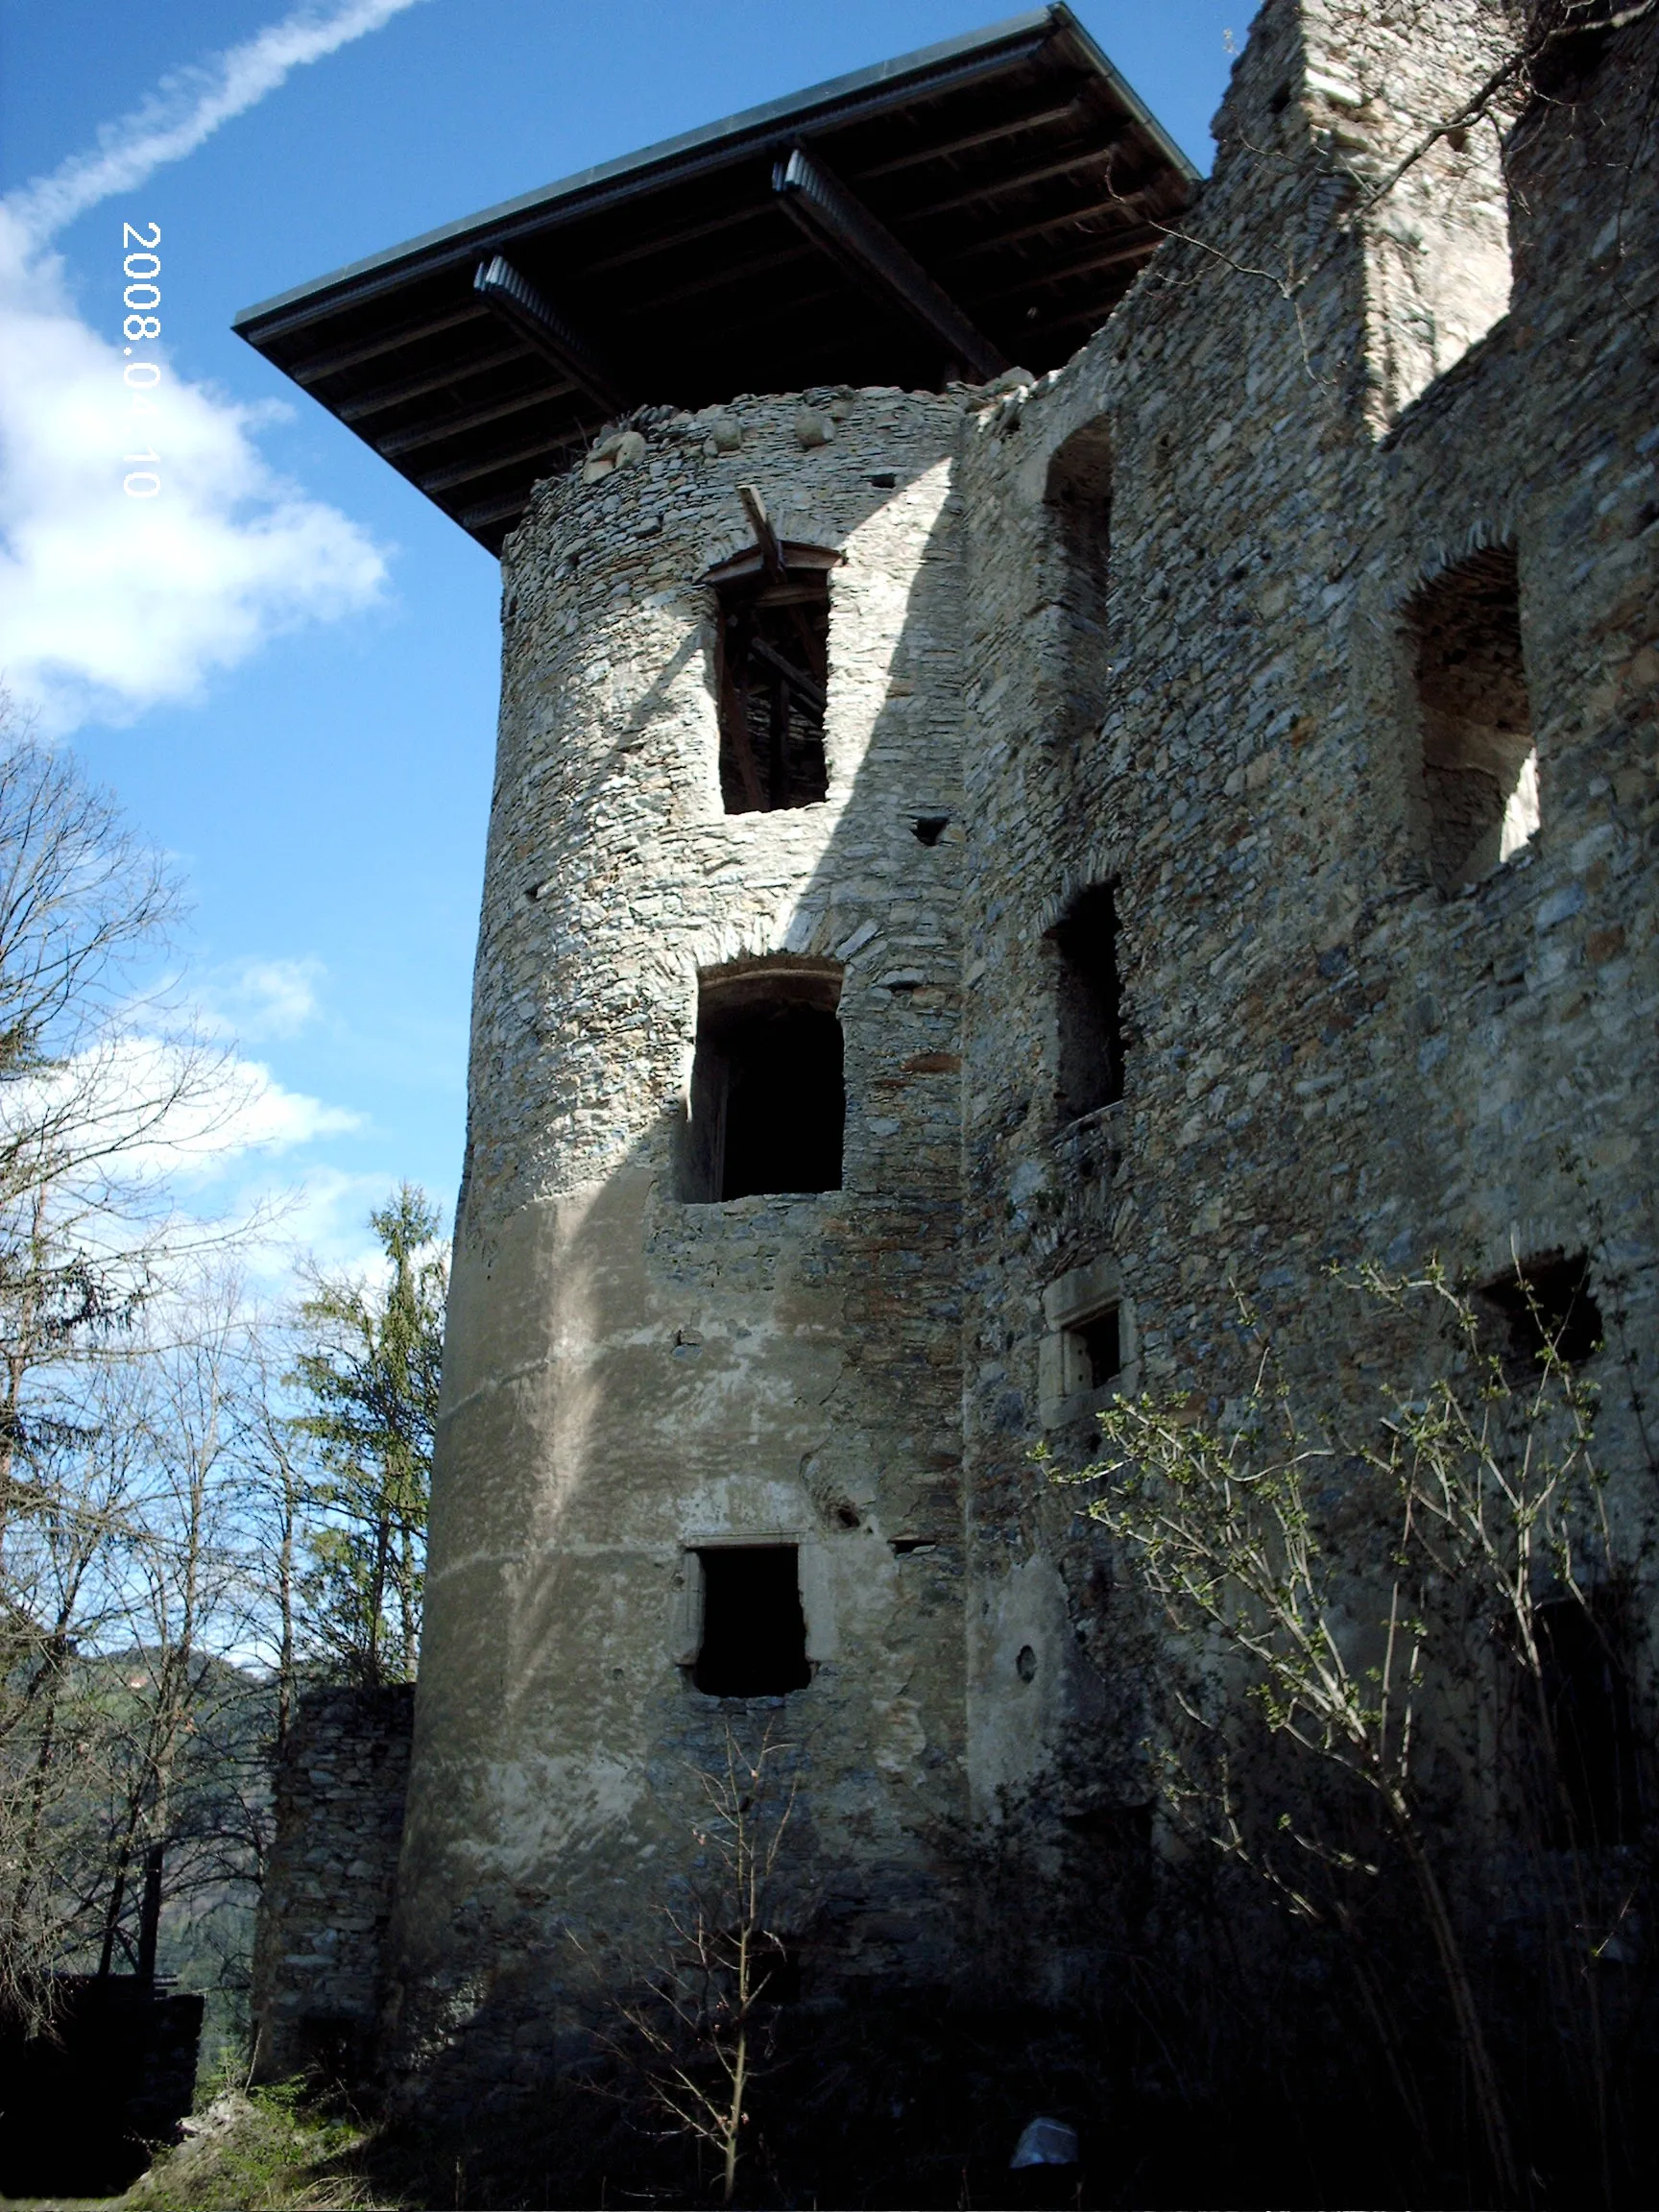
pixel 1373 1646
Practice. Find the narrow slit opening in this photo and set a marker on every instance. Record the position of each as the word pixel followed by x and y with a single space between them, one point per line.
pixel 1480 767
pixel 1089 1005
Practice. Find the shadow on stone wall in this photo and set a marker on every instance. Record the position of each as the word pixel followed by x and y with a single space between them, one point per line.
pixel 83 2105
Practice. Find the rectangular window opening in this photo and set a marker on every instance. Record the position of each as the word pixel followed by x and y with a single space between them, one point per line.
pixel 768 1095
pixel 754 1641
pixel 1480 766
pixel 1089 1005
pixel 774 680
pixel 1100 1347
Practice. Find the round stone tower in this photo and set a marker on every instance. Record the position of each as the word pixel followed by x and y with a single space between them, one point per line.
pixel 698 1460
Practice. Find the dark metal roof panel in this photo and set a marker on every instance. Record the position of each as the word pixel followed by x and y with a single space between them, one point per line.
pixel 1014 165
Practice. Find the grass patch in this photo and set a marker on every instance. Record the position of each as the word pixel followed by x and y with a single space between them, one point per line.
pixel 251 2150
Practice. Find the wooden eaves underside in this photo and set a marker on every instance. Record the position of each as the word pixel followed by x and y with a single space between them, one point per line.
pixel 987 201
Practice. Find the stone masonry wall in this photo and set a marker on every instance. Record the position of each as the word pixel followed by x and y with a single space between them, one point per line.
pixel 1144 622
pixel 1326 1060
pixel 630 1377
pixel 327 1892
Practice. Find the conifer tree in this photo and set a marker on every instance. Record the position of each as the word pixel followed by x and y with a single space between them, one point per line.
pixel 370 1372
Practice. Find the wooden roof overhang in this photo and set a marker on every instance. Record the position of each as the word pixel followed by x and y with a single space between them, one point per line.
pixel 982 202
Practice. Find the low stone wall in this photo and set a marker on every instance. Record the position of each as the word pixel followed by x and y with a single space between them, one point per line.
pixel 327 1894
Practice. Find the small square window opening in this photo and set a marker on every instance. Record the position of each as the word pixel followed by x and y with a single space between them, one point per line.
pixel 1100 1346
pixel 754 1641
pixel 1092 1349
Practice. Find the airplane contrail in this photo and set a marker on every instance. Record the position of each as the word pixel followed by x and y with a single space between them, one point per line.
pixel 187 107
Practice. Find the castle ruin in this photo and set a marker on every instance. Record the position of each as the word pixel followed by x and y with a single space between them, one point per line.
pixel 1128 767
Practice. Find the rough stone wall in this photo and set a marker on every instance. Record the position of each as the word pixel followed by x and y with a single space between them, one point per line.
pixel 629 1377
pixel 337 1820
pixel 1375 76
pixel 1146 622
pixel 1325 1058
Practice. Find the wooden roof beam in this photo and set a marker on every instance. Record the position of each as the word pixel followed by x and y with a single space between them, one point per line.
pixel 1138 245
pixel 1097 157
pixel 522 308
pixel 765 536
pixel 323 365
pixel 380 396
pixel 508 508
pixel 1036 119
pixel 1125 205
pixel 438 427
pixel 868 253
pixel 493 464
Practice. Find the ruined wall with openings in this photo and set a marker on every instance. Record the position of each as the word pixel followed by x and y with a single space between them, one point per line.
pixel 1355 1023
pixel 1235 857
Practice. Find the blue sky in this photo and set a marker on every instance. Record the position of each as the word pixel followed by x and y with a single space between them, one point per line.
pixel 286 664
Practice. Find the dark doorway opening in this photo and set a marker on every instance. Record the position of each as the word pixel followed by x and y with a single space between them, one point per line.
pixel 1587 1695
pixel 768 1097
pixel 1089 1001
pixel 754 1642
pixel 774 682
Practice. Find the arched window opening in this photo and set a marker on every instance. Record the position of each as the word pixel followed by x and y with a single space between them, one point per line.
pixel 1079 499
pixel 1480 767
pixel 1087 1004
pixel 768 1100
pixel 773 678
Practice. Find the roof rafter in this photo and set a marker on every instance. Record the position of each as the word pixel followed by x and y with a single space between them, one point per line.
pixel 383 396
pixel 436 428
pixel 493 464
pixel 1129 246
pixel 1124 204
pixel 998 189
pixel 323 365
pixel 522 308
pixel 874 259
pixel 990 134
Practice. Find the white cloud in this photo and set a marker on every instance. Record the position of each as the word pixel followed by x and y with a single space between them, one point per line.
pixel 145 1108
pixel 251 1112
pixel 110 603
pixel 258 1001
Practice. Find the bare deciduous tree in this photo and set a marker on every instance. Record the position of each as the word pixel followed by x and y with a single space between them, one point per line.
pixel 698 2035
pixel 1391 1607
